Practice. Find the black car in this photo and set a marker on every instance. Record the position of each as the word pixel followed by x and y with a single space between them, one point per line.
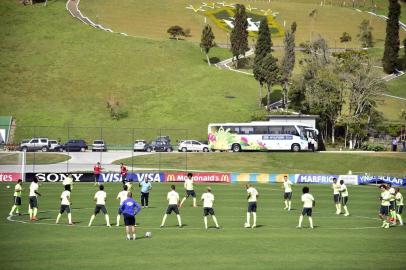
pixel 159 146
pixel 72 146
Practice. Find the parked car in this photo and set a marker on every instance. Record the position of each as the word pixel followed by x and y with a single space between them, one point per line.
pixel 73 145
pixel 35 144
pixel 159 146
pixel 140 145
pixel 53 145
pixel 192 145
pixel 99 145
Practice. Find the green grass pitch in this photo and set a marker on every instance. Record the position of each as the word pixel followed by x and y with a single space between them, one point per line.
pixel 337 242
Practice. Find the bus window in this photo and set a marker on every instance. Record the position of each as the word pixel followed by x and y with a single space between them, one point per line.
pixel 275 130
pixel 246 130
pixel 261 130
pixel 290 130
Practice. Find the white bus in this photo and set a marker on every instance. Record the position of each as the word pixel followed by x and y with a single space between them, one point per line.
pixel 261 135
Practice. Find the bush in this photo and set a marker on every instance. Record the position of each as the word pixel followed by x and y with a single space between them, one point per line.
pixel 372 147
pixel 116 108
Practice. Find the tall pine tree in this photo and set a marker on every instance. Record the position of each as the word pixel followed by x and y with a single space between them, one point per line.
pixel 262 48
pixel 239 34
pixel 270 72
pixel 390 55
pixel 288 61
pixel 207 41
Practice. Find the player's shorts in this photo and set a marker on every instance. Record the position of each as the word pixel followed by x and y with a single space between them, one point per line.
pixel 207 211
pixel 100 207
pixel 65 208
pixel 336 198
pixel 119 211
pixel 344 200
pixel 33 202
pixel 190 193
pixel 17 200
pixel 172 208
pixel 392 205
pixel 399 209
pixel 307 212
pixel 287 195
pixel 252 207
pixel 384 210
pixel 129 220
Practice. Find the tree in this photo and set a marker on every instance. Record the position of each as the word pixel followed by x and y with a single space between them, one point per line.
pixel 324 96
pixel 345 38
pixel 365 34
pixel 239 34
pixel 175 31
pixel 270 73
pixel 207 41
pixel 391 51
pixel 404 54
pixel 262 48
pixel 288 61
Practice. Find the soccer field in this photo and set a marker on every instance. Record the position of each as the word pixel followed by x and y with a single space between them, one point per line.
pixel 337 242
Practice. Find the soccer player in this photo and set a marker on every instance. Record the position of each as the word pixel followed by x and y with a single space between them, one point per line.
pixel 130 208
pixel 122 196
pixel 287 186
pixel 344 197
pixel 33 201
pixel 145 188
pixel 336 195
pixel 123 172
pixel 308 204
pixel 17 198
pixel 100 198
pixel 252 195
pixel 129 184
pixel 208 199
pixel 399 206
pixel 173 201
pixel 385 203
pixel 68 181
pixel 97 171
pixel 189 190
pixel 65 205
pixel 392 201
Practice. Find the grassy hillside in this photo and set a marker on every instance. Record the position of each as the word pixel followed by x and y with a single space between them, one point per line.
pixel 57 71
pixel 154 18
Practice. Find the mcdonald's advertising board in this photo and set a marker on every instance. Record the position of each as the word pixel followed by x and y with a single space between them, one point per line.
pixel 198 177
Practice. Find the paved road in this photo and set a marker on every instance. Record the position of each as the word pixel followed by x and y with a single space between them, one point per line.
pixel 78 162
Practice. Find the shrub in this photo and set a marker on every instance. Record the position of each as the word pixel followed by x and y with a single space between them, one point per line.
pixel 116 108
pixel 372 147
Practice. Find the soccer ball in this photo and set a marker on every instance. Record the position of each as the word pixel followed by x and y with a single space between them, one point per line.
pixel 7 187
pixel 148 234
pixel 246 225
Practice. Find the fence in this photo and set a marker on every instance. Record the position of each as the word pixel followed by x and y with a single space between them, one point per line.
pixel 119 143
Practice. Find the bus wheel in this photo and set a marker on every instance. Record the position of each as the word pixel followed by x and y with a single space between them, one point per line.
pixel 236 147
pixel 295 147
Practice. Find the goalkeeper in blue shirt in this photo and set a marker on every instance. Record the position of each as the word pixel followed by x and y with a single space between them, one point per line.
pixel 129 208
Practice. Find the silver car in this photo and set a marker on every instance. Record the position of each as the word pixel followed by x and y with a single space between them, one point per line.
pixel 99 145
pixel 140 145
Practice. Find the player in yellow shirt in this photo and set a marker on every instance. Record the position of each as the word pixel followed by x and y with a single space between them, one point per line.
pixel 385 204
pixel 336 195
pixel 17 198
